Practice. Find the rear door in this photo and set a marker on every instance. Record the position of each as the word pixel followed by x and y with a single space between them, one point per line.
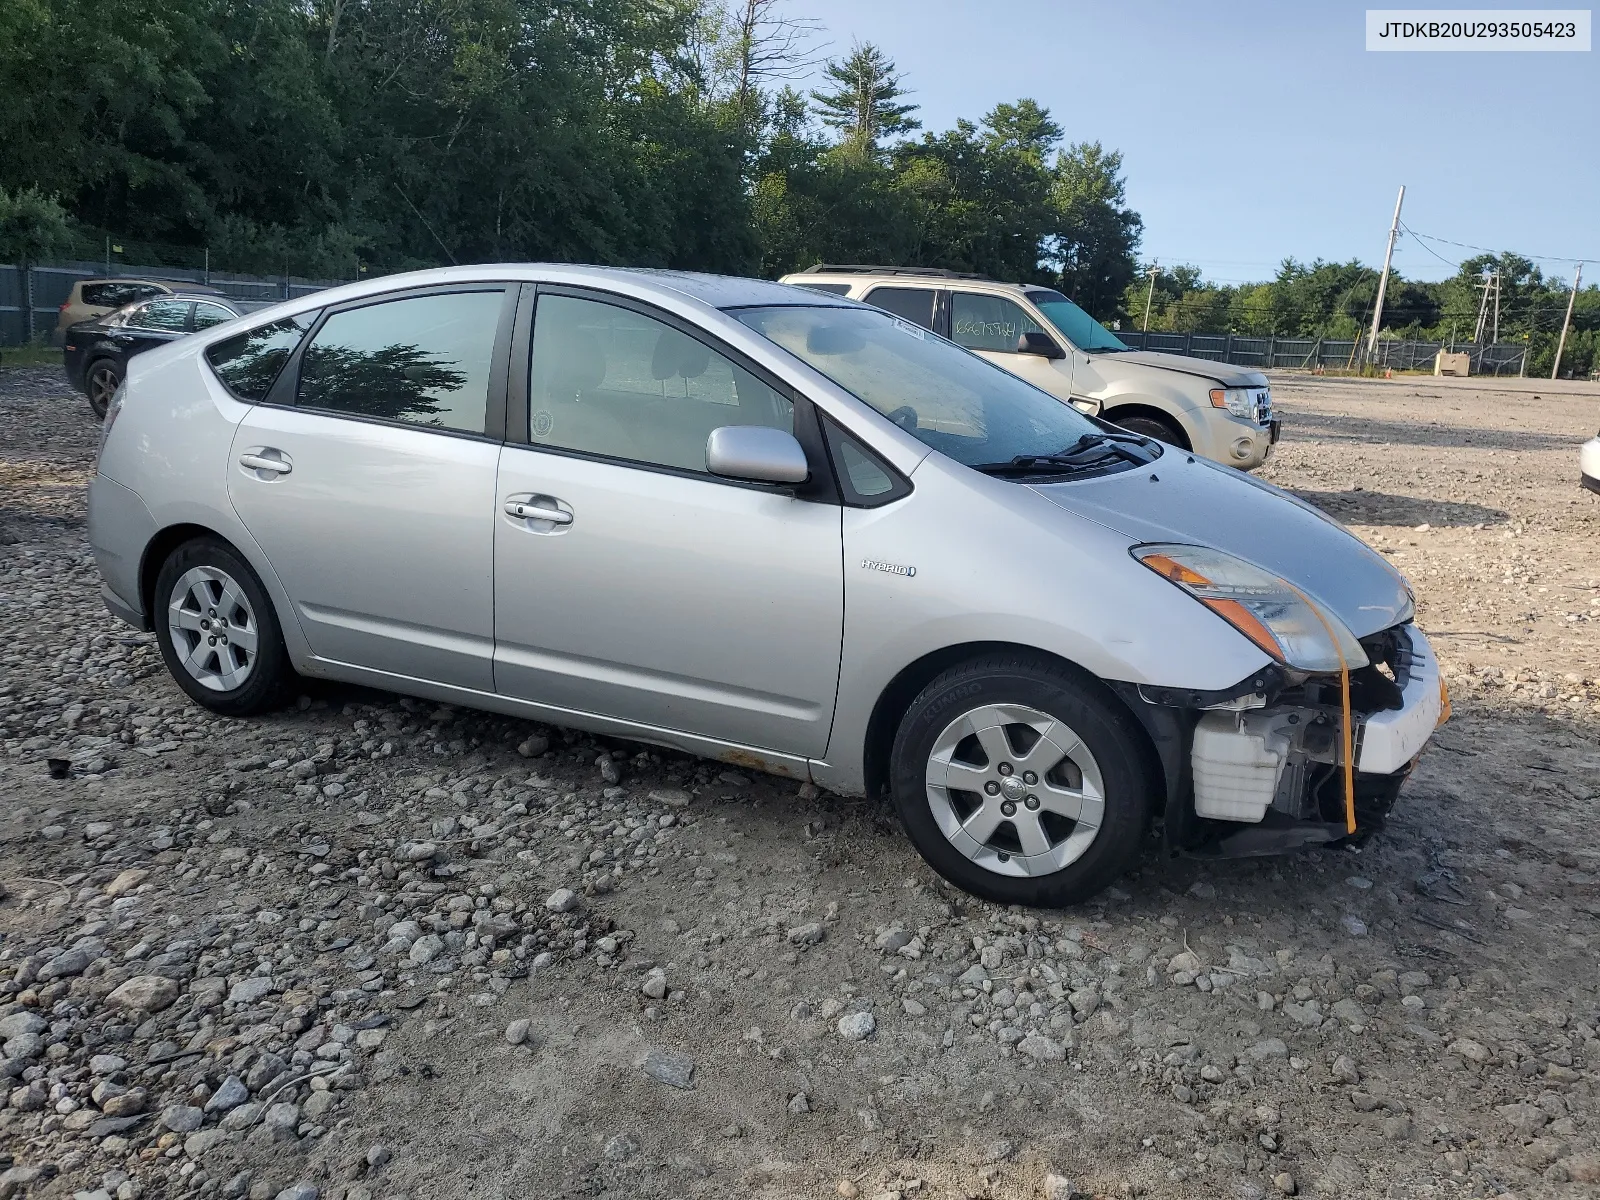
pixel 369 480
pixel 631 583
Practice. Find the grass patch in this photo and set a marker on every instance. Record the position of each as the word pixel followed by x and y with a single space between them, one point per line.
pixel 30 356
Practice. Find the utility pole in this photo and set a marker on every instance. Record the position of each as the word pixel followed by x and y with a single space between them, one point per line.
pixel 1150 295
pixel 1577 278
pixel 1383 280
pixel 1483 311
pixel 1495 337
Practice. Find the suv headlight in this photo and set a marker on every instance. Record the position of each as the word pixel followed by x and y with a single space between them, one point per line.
pixel 1272 613
pixel 1241 402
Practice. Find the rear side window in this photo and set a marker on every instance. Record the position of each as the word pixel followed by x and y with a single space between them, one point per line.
pixel 832 289
pixel 115 295
pixel 914 304
pixel 423 360
pixel 207 314
pixel 249 363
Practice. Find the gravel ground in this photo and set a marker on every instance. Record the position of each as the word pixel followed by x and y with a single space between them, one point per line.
pixel 372 947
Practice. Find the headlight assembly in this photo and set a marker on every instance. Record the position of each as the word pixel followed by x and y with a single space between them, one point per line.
pixel 1241 402
pixel 1272 613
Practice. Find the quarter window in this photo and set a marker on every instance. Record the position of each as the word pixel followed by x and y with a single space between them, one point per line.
pixel 207 314
pixel 169 316
pixel 914 304
pixel 249 363
pixel 423 360
pixel 991 323
pixel 608 380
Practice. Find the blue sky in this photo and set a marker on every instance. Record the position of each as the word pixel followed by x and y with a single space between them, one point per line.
pixel 1252 132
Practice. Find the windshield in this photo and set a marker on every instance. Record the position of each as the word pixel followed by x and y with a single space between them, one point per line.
pixel 1082 330
pixel 954 401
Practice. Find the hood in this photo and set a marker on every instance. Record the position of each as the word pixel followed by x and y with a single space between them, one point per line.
pixel 1226 374
pixel 1198 503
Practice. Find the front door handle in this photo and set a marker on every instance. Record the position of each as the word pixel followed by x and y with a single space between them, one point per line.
pixel 537 512
pixel 262 462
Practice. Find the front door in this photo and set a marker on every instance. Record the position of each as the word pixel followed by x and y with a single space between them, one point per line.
pixel 989 326
pixel 632 584
pixel 372 491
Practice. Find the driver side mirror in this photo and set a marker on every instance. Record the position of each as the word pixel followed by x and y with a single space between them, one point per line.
pixel 1032 341
pixel 756 454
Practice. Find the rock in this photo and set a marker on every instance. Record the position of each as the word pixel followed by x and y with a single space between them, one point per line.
pixel 425 949
pixel 671 797
pixel 1350 1012
pixel 847 1190
pixel 853 1027
pixel 1187 961
pixel 202 1140
pixel 1183 1093
pixel 1268 1048
pixel 129 1104
pixel 182 1118
pixel 66 964
pixel 1353 925
pixel 1041 1049
pixel 282 1118
pixel 19 1023
pixel 1470 1050
pixel 248 991
pixel 1057 1187
pixel 892 941
pixel 1358 882
pixel 669 1067
pixel 1345 1070
pixel 561 900
pixel 620 1148
pixel 534 746
pixel 1583 1168
pixel 106 1064
pixel 1285 1183
pixel 126 881
pixel 1085 1002
pixel 317 1105
pixel 1342 1177
pixel 914 1008
pixel 517 1031
pixel 144 993
pixel 799 1104
pixel 655 985
pixel 805 935
pixel 298 1191
pixel 1524 1119
pixel 230 1093
pixel 1307 1015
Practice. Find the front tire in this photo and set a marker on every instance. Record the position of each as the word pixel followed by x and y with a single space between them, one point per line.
pixel 101 381
pixel 1022 781
pixel 218 632
pixel 1154 427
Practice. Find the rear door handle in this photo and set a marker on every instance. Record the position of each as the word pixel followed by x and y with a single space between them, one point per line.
pixel 262 462
pixel 537 512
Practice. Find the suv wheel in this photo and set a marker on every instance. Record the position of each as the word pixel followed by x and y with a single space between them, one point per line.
pixel 1021 782
pixel 218 632
pixel 102 379
pixel 1155 427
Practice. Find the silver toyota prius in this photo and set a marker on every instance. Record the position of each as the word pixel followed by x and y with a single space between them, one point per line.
pixel 775 528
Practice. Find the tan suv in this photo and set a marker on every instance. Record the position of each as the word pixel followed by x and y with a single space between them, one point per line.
pixel 1217 410
pixel 95 297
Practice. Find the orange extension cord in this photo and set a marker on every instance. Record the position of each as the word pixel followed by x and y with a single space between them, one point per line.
pixel 1347 738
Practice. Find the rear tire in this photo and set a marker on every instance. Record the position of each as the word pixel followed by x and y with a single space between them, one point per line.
pixel 1022 781
pixel 218 632
pixel 101 381
pixel 1156 427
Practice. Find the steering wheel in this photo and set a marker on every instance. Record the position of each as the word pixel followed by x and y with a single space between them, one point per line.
pixel 906 417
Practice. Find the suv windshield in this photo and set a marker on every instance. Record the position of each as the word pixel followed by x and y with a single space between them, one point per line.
pixel 1082 330
pixel 954 401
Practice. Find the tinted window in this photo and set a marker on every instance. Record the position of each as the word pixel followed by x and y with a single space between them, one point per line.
pixel 914 304
pixel 423 360
pixel 981 322
pixel 115 295
pixel 951 400
pixel 608 380
pixel 171 316
pixel 866 480
pixel 207 314
pixel 832 289
pixel 250 362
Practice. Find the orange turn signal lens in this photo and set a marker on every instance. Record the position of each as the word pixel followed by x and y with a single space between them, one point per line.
pixel 1219 398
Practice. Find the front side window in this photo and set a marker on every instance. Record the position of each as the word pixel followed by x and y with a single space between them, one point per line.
pixel 962 406
pixel 168 316
pixel 1082 330
pixel 914 304
pixel 608 380
pixel 992 323
pixel 250 363
pixel 423 360
pixel 207 314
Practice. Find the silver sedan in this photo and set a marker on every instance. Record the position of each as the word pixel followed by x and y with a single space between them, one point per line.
pixel 775 528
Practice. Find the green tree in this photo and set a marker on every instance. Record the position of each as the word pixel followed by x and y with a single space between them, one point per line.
pixel 32 226
pixel 1096 233
pixel 864 105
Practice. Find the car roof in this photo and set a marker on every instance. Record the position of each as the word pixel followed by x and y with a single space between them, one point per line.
pixel 907 277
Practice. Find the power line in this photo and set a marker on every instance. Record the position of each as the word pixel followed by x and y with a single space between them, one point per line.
pixel 1486 250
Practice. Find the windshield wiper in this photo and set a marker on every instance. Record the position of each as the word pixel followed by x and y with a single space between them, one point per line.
pixel 1089 450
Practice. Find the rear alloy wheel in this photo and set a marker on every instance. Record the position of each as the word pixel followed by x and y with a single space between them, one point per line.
pixel 1021 781
pixel 217 631
pixel 103 379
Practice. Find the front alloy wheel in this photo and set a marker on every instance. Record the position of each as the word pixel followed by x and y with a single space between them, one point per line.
pixel 1023 780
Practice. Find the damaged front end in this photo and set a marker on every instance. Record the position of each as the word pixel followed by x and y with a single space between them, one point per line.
pixel 1258 769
